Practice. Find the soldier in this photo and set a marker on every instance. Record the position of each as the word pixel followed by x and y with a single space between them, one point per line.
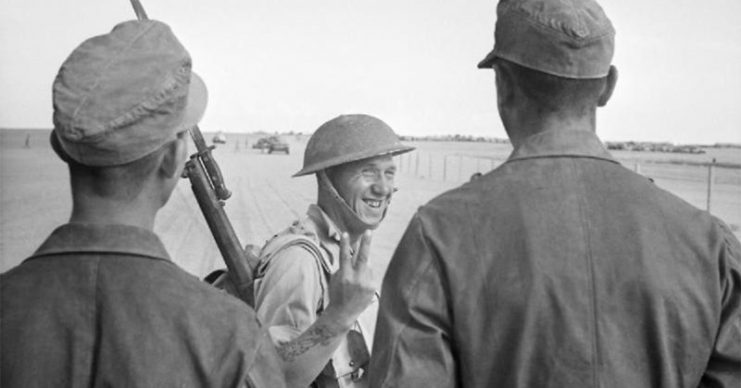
pixel 560 268
pixel 100 303
pixel 352 157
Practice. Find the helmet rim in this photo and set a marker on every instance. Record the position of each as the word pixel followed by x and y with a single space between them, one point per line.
pixel 397 149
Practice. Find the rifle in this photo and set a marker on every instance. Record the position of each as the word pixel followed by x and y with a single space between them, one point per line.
pixel 211 192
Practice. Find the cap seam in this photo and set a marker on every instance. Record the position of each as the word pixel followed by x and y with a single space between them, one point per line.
pixel 171 84
pixel 525 17
pixel 106 129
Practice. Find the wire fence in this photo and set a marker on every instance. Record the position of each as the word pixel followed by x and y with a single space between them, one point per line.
pixel 720 183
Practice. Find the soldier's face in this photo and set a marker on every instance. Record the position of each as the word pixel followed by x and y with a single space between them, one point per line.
pixel 367 186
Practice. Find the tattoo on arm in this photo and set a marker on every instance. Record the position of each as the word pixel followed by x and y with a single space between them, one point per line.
pixel 314 336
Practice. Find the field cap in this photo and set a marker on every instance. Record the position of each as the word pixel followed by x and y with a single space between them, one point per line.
pixel 565 38
pixel 120 96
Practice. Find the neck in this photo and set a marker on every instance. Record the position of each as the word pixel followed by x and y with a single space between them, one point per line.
pixel 526 123
pixel 330 201
pixel 95 210
pixel 340 221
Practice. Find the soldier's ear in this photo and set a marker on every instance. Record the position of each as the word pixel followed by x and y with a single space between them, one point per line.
pixel 173 157
pixel 504 84
pixel 612 77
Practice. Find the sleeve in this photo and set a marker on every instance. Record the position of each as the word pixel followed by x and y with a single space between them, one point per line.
pixel 724 367
pixel 289 294
pixel 412 344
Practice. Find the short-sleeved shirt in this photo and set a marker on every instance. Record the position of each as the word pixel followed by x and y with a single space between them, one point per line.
pixel 293 289
pixel 561 268
pixel 103 305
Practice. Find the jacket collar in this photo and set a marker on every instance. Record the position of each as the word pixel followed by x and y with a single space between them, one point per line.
pixel 554 143
pixel 93 238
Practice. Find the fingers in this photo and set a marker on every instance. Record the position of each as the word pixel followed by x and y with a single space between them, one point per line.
pixel 361 257
pixel 345 251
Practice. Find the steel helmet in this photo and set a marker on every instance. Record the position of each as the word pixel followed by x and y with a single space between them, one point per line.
pixel 348 138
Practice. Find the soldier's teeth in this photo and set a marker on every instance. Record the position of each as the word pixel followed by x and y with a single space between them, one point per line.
pixel 373 203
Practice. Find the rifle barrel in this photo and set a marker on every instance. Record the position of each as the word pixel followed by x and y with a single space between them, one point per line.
pixel 213 170
pixel 141 14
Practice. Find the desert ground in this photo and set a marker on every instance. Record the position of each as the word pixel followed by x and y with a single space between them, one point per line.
pixel 35 196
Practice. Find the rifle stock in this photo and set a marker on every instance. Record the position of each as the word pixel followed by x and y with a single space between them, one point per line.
pixel 210 192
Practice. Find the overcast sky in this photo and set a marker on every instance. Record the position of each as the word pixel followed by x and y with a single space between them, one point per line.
pixel 280 65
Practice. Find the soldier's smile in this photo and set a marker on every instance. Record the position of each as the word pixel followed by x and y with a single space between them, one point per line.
pixel 367 186
pixel 374 203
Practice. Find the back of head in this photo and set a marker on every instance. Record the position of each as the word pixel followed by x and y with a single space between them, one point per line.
pixel 552 94
pixel 121 96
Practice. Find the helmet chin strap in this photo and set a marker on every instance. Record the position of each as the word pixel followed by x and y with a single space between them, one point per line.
pixel 353 220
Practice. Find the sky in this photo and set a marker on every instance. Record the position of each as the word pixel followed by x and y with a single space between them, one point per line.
pixel 290 65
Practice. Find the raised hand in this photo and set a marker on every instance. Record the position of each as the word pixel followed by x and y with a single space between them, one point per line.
pixel 351 288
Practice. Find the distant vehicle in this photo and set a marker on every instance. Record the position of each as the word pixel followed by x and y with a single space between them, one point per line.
pixel 261 144
pixel 272 144
pixel 278 145
pixel 219 138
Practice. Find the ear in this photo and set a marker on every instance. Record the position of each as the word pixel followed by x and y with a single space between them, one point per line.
pixel 507 104
pixel 504 85
pixel 612 77
pixel 173 157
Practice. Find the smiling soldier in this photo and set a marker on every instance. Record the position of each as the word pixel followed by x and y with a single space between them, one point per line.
pixel 352 157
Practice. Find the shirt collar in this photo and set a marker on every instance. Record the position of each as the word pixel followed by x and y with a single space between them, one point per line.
pixel 561 143
pixel 94 238
pixel 328 233
pixel 327 228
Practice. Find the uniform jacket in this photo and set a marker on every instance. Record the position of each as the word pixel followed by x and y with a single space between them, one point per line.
pixel 104 306
pixel 561 268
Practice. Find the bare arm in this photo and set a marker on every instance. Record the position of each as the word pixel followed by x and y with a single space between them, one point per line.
pixel 350 293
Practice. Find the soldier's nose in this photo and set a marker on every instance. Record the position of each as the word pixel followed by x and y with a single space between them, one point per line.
pixel 383 187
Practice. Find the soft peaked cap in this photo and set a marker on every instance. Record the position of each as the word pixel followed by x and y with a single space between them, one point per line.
pixel 120 96
pixel 565 38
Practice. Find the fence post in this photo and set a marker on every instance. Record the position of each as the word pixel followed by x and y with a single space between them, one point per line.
pixel 429 166
pixel 460 167
pixel 637 168
pixel 445 168
pixel 416 164
pixel 711 181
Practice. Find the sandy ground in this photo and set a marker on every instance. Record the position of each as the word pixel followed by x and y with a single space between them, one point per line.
pixel 35 197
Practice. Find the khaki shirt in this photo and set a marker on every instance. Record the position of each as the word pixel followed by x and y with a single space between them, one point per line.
pixel 294 289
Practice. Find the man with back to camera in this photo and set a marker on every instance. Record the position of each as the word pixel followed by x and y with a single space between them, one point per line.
pixel 560 268
pixel 316 330
pixel 100 303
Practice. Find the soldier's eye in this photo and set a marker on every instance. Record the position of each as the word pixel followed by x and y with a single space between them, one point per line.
pixel 370 173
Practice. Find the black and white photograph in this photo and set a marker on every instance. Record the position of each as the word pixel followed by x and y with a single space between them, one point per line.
pixel 486 193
